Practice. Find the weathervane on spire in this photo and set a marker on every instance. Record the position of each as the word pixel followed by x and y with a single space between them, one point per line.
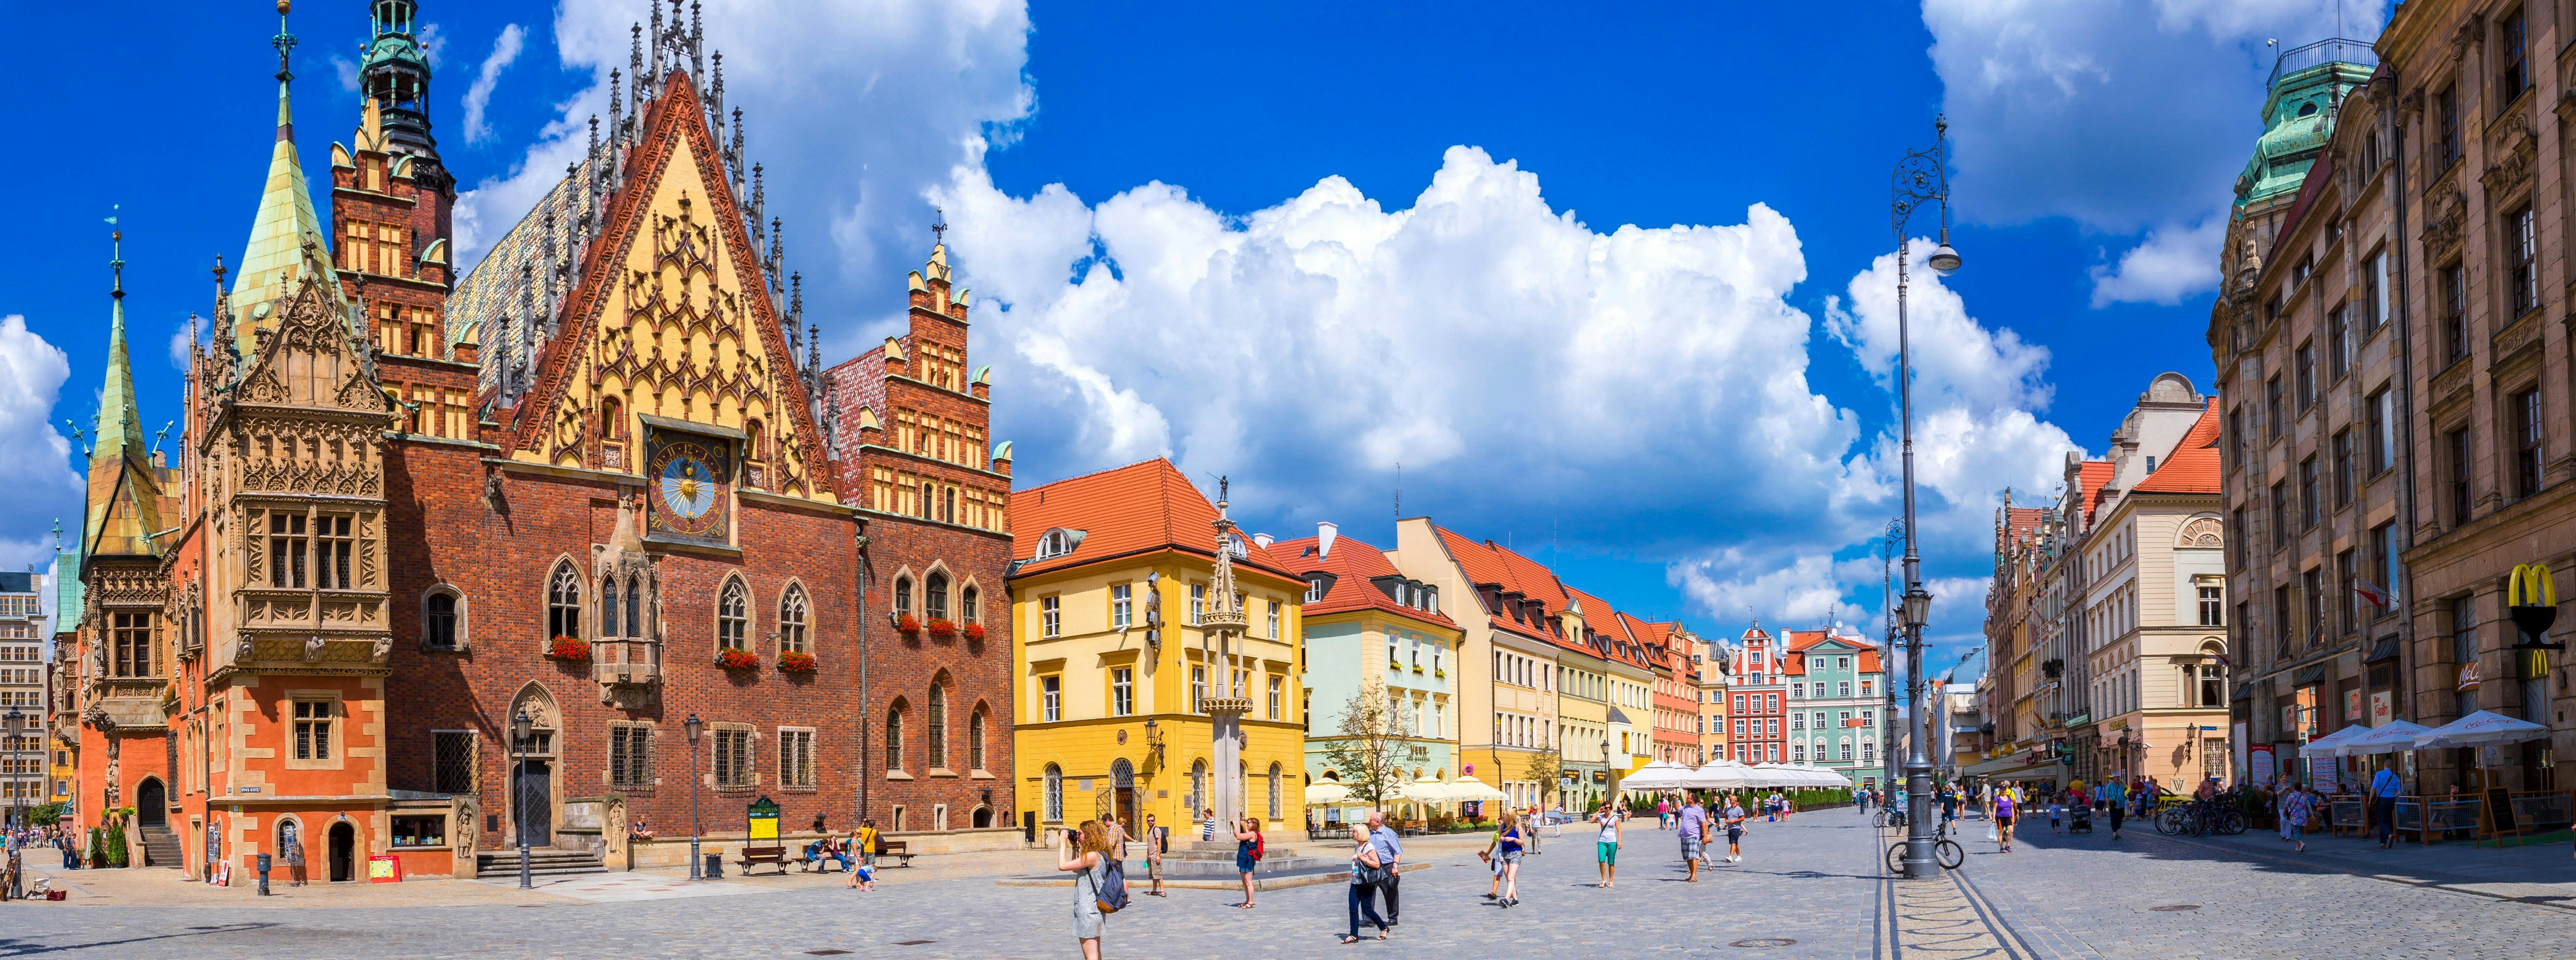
pixel 116 258
pixel 284 41
pixel 938 226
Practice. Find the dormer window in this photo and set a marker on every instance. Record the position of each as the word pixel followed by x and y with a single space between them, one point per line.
pixel 1057 543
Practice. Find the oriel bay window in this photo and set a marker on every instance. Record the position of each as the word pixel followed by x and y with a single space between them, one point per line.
pixel 130 640
pixel 286 550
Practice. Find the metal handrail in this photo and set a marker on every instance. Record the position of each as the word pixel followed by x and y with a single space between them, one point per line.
pixel 2320 53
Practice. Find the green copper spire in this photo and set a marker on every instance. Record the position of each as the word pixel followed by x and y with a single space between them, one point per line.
pixel 286 220
pixel 120 425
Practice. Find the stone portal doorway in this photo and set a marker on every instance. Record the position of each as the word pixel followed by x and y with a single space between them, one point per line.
pixel 344 852
pixel 151 804
pixel 533 802
pixel 1122 790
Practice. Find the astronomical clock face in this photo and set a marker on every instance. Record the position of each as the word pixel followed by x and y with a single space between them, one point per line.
pixel 691 487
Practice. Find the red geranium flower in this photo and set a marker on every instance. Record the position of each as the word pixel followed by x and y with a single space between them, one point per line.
pixel 907 624
pixel 975 632
pixel 568 648
pixel 796 661
pixel 941 629
pixel 732 659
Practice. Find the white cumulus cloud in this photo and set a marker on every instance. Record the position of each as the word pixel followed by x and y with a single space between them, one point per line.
pixel 478 96
pixel 2070 110
pixel 38 474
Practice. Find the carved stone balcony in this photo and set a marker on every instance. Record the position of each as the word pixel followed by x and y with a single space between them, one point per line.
pixel 628 671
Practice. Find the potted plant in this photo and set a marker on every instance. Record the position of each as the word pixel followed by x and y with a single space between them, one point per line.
pixel 975 632
pixel 796 661
pixel 941 629
pixel 906 625
pixel 732 659
pixel 568 648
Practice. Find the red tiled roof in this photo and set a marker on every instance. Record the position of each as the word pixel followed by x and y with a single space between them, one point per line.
pixel 1486 562
pixel 1351 563
pixel 1616 642
pixel 1134 509
pixel 2092 475
pixel 2193 466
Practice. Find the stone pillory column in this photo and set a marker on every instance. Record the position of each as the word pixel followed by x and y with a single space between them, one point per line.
pixel 1222 626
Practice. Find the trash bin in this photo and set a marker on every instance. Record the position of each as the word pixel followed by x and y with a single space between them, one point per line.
pixel 715 866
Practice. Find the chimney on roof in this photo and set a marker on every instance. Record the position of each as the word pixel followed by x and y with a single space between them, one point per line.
pixel 1262 539
pixel 1325 534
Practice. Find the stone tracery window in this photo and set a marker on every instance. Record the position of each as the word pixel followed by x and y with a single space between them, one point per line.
pixel 791 621
pixel 733 616
pixel 563 602
pixel 935 595
pixel 938 726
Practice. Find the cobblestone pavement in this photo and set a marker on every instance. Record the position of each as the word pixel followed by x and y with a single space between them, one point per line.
pixel 1810 888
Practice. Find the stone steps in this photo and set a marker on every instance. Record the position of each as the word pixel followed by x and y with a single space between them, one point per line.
pixel 542 862
pixel 160 847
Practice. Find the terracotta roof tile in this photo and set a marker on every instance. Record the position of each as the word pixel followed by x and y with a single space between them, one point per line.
pixel 1134 509
pixel 1352 564
pixel 2193 465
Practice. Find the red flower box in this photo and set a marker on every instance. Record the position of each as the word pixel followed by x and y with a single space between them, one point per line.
pixel 941 629
pixel 906 625
pixel 568 648
pixel 975 632
pixel 796 661
pixel 732 659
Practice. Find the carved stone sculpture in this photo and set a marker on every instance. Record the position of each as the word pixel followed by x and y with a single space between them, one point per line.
pixel 384 648
pixel 312 648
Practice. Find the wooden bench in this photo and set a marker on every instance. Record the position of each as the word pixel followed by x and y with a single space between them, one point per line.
pixel 756 856
pixel 900 850
pixel 818 862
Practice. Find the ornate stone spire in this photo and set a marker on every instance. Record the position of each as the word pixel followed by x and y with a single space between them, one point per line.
pixel 285 222
pixel 120 424
pixel 1223 612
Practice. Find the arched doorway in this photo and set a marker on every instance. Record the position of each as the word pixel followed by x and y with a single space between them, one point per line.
pixel 983 817
pixel 532 772
pixel 1122 791
pixel 151 804
pixel 344 852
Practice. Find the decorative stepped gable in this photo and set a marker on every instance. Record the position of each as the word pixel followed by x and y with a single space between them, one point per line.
pixel 675 318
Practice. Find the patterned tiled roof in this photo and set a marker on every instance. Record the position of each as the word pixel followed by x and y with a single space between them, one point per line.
pixel 519 278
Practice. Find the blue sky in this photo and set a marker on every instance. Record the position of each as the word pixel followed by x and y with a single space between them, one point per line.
pixel 1612 289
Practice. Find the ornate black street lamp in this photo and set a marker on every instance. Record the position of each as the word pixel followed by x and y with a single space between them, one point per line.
pixel 693 726
pixel 1921 178
pixel 520 728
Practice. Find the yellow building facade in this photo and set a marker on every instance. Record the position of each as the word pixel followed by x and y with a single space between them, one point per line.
pixel 1119 681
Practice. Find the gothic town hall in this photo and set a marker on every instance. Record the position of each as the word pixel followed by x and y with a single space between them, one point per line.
pixel 547 550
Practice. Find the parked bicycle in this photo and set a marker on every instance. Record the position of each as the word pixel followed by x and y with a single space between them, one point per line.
pixel 1945 852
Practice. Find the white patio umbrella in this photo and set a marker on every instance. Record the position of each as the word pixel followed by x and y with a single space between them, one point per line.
pixel 1774 775
pixel 1467 789
pixel 2388 737
pixel 2483 728
pixel 1720 775
pixel 1429 789
pixel 2336 744
pixel 1659 775
pixel 1327 793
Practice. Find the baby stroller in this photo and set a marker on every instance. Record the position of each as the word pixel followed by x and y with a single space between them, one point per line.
pixel 2083 814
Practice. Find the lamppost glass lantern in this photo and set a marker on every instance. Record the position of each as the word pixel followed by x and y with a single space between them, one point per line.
pixel 1918 608
pixel 520 728
pixel 692 726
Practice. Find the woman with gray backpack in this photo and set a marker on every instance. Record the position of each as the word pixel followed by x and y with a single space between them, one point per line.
pixel 1099 882
pixel 1367 872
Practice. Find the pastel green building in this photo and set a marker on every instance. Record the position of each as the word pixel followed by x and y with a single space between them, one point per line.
pixel 1373 633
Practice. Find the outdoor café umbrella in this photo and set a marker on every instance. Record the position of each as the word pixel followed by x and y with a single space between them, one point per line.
pixel 2338 743
pixel 2483 728
pixel 2388 737
pixel 1469 789
pixel 1658 775
pixel 1720 775
pixel 1429 789
pixel 1327 793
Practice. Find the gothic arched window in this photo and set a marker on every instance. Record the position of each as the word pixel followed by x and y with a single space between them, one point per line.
pixel 437 620
pixel 938 727
pixel 903 594
pixel 894 736
pixel 563 603
pixel 975 739
pixel 608 608
pixel 934 592
pixel 791 621
pixel 1054 794
pixel 733 616
pixel 635 607
pixel 968 610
